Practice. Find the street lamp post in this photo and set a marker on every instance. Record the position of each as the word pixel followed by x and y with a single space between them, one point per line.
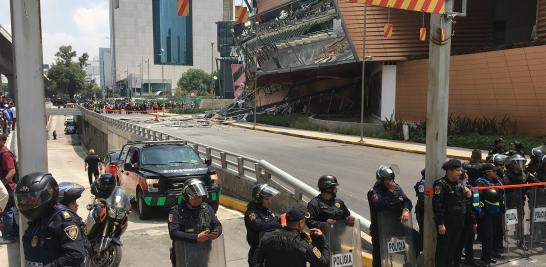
pixel 363 75
pixel 212 77
pixel 149 86
pixel 127 91
pixel 162 70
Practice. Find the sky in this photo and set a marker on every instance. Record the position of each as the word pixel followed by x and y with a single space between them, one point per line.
pixel 84 24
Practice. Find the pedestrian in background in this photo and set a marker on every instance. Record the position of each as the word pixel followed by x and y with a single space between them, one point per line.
pixel 7 172
pixel 14 117
pixel 92 165
pixel 54 135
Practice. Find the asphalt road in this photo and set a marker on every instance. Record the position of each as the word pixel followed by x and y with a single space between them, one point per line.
pixel 307 159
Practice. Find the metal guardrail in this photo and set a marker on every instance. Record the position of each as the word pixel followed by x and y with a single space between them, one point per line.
pixel 247 167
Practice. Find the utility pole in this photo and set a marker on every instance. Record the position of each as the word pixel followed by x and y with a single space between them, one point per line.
pixel 141 76
pixel 211 73
pixel 127 91
pixel 31 124
pixel 363 74
pixel 437 116
pixel 162 70
pixel 149 85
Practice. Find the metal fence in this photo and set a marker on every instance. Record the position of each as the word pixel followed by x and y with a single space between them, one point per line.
pixel 244 166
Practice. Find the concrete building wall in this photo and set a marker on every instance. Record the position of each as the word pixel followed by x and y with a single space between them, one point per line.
pixel 489 84
pixel 134 43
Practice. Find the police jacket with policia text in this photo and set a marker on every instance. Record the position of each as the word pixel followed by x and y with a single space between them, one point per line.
pixel 258 220
pixel 449 200
pixel 291 248
pixel 381 199
pixel 321 210
pixel 186 223
pixel 54 240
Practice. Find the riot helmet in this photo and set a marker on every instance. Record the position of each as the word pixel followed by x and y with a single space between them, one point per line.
pixel 518 161
pixel 491 195
pixel 69 192
pixel 36 194
pixel 194 188
pixel 263 190
pixel 103 186
pixel 326 182
pixel 542 162
pixel 500 160
pixel 386 172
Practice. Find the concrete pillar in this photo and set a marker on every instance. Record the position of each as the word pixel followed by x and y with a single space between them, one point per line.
pixel 11 85
pixel 388 91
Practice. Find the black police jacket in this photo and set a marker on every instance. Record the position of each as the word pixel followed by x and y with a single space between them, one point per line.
pixel 474 170
pixel 381 199
pixel 321 210
pixel 290 247
pixel 54 240
pixel 259 220
pixel 449 200
pixel 186 223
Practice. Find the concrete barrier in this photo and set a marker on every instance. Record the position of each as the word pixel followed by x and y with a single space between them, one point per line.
pixel 355 126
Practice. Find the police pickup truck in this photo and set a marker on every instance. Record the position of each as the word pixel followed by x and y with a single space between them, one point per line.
pixel 154 173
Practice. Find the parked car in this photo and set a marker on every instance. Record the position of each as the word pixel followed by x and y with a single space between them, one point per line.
pixel 111 162
pixel 153 173
pixel 70 127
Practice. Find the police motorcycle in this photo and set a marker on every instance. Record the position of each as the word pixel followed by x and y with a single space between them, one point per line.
pixel 106 222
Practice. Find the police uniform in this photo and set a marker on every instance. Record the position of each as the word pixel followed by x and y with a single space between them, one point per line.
pixel 290 247
pixel 321 210
pixel 257 221
pixel 449 206
pixel 381 199
pixel 490 222
pixel 186 223
pixel 55 240
pixel 420 208
pixel 466 243
pixel 474 170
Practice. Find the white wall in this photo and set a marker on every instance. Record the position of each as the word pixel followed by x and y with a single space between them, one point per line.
pixel 134 38
pixel 388 91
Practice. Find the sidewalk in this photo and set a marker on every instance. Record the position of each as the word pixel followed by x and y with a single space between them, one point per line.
pixel 410 147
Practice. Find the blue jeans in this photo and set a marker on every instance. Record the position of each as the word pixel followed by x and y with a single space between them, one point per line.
pixel 9 223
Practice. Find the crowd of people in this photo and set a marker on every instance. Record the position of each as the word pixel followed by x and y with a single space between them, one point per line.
pixel 118 105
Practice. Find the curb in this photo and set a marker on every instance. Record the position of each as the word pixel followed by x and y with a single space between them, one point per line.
pixel 407 150
pixel 240 206
pixel 233 203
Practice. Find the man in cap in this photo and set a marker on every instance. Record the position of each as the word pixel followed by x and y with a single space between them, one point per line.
pixel 420 207
pixel 290 246
pixel 449 207
pixel 497 148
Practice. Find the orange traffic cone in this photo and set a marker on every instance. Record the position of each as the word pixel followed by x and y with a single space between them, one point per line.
pixel 156 117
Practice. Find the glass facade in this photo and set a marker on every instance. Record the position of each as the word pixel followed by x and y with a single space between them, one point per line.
pixel 173 42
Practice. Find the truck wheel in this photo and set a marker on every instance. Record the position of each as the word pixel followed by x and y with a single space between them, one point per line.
pixel 144 211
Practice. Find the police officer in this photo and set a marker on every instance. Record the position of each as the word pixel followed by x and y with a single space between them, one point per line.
pixel 290 246
pixel 534 164
pixel 449 206
pixel 53 237
pixel 193 220
pixel 258 217
pixel 325 209
pixel 500 161
pixel 473 210
pixel 474 166
pixel 420 207
pixel 517 148
pixel 385 195
pixel 497 148
pixel 540 174
pixel 490 220
pixel 515 198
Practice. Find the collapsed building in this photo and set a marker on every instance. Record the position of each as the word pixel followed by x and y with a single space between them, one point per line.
pixel 307 55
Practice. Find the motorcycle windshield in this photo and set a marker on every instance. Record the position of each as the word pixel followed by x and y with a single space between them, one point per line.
pixel 119 200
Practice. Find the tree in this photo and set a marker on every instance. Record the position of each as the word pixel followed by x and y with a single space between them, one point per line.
pixel 83 60
pixel 65 55
pixel 67 77
pixel 195 81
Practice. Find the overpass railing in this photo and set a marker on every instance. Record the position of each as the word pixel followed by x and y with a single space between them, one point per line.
pixel 245 167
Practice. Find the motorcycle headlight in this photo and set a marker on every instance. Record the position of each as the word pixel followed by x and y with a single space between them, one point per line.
pixel 153 185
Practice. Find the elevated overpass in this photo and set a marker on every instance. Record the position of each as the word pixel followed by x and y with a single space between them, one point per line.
pixel 6 58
